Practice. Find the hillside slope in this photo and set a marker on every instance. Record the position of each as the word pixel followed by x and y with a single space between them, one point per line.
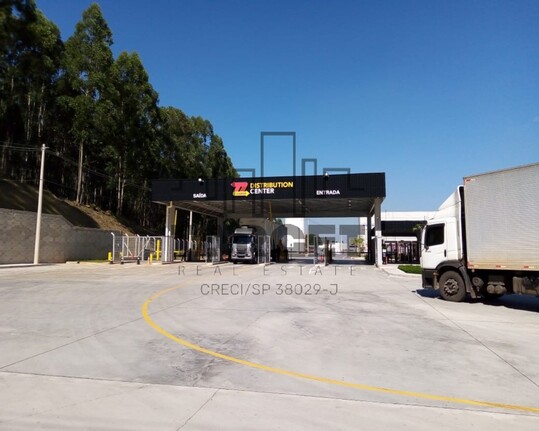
pixel 24 197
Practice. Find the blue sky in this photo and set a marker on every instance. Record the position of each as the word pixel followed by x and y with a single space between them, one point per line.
pixel 425 91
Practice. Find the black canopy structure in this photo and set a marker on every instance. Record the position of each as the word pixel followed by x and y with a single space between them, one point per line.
pixel 335 195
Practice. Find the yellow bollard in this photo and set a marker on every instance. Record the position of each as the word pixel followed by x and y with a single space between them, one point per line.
pixel 150 258
pixel 158 251
pixel 110 256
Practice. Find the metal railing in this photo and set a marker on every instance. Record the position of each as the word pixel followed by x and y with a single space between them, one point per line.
pixel 196 251
pixel 136 248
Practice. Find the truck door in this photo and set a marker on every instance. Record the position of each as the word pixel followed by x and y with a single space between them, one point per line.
pixel 434 246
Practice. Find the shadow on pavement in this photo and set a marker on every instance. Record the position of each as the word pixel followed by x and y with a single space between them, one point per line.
pixel 515 302
pixel 427 293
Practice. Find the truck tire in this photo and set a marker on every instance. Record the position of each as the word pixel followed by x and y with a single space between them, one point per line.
pixel 451 287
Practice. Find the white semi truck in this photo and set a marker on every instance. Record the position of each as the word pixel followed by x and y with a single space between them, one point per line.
pixel 484 239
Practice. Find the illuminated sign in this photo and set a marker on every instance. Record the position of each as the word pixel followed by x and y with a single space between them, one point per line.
pixel 271 188
pixel 244 188
pixel 240 188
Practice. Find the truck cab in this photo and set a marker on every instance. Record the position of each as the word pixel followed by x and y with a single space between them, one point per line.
pixel 442 250
pixel 244 245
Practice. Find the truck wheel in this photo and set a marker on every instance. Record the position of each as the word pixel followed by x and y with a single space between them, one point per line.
pixel 451 287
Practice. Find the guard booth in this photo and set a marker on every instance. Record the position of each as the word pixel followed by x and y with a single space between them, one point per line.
pixel 328 196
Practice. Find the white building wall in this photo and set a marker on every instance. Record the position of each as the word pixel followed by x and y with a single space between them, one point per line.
pixel 407 215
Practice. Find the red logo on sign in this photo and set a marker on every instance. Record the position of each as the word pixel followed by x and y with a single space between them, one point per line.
pixel 240 188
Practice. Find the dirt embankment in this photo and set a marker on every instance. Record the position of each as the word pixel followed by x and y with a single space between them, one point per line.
pixel 24 197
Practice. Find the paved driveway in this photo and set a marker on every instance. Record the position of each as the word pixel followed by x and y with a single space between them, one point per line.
pixel 168 347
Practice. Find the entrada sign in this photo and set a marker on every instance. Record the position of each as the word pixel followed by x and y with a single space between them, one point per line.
pixel 328 192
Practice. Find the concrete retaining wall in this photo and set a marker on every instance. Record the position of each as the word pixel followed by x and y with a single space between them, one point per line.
pixel 60 240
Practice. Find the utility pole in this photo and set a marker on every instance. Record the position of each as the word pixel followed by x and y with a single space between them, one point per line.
pixel 39 205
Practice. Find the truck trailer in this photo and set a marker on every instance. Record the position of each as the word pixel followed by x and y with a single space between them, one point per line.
pixel 484 239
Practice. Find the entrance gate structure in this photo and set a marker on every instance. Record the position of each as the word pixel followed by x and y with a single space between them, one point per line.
pixel 329 196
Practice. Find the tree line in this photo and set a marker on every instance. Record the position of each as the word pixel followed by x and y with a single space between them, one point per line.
pixel 99 117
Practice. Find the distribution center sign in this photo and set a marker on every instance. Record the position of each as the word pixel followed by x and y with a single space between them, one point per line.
pixel 298 187
pixel 244 188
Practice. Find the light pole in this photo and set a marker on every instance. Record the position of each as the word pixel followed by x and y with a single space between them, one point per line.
pixel 39 205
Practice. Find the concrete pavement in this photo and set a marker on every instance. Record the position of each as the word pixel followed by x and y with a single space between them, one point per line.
pixel 245 346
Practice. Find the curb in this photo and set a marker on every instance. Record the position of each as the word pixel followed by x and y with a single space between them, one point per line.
pixel 399 273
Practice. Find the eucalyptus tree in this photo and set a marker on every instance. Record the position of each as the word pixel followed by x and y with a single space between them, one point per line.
pixel 131 127
pixel 85 82
pixel 38 71
pixel 31 48
pixel 183 148
pixel 15 18
pixel 218 163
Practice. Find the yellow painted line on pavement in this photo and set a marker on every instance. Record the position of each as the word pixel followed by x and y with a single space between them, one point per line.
pixel 299 375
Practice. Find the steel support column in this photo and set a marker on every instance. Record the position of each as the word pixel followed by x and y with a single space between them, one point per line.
pixel 168 240
pixel 370 242
pixel 378 231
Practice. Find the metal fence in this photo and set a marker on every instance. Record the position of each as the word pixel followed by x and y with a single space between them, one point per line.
pixel 136 248
pixel 195 251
